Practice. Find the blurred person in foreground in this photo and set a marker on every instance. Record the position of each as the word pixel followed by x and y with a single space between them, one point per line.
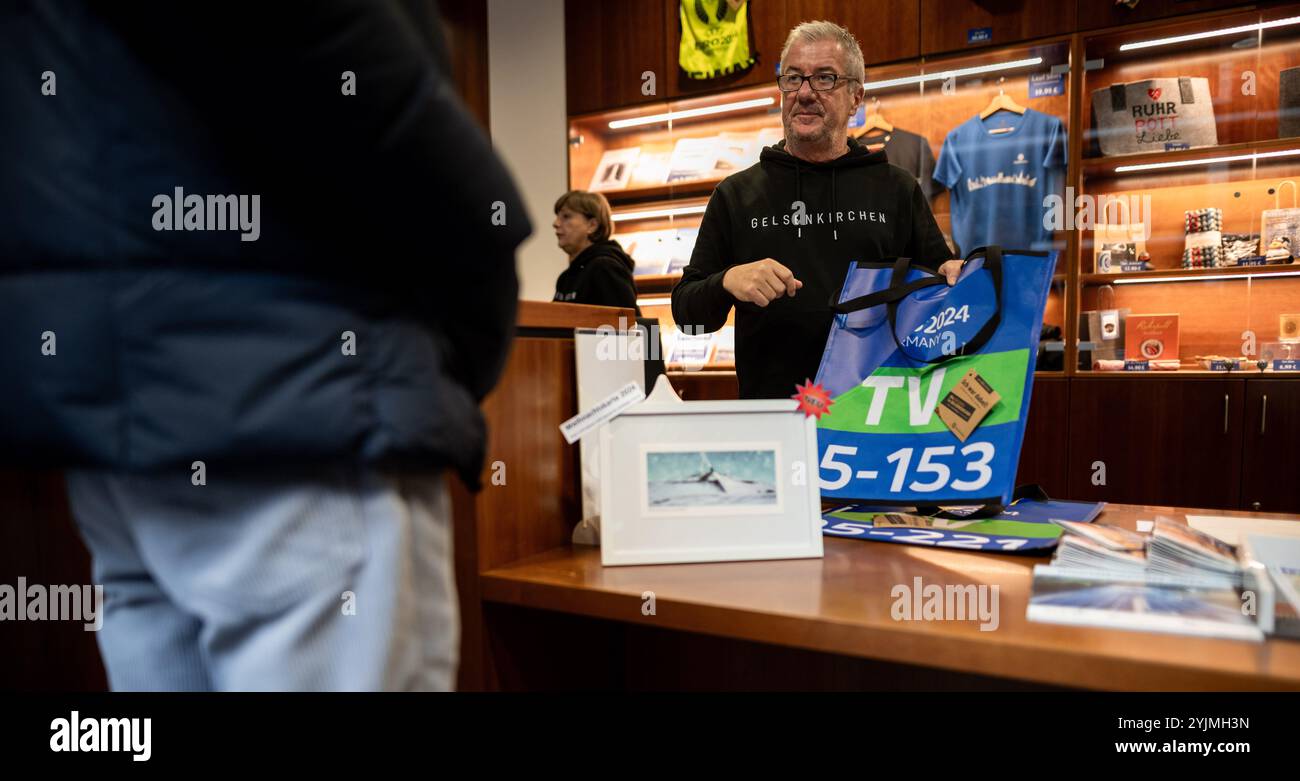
pixel 256 272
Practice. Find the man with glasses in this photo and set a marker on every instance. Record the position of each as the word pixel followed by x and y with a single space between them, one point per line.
pixel 777 238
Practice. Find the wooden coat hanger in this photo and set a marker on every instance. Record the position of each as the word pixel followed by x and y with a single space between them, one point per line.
pixel 1001 102
pixel 875 120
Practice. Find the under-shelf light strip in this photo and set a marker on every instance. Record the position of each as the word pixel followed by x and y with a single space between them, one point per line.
pixel 1001 66
pixel 652 213
pixel 1205 278
pixel 1206 161
pixel 1245 28
pixel 653 119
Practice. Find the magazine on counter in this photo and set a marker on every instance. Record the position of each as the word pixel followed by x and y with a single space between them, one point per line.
pixel 1064 596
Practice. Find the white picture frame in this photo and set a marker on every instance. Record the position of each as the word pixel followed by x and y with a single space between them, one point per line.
pixel 754 496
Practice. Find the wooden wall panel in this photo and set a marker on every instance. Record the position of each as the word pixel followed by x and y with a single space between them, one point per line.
pixel 465 31
pixel 887 30
pixel 1095 14
pixel 607 48
pixel 945 23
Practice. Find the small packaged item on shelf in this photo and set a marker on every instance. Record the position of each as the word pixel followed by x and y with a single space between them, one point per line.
pixel 1279 250
pixel 1221 363
pixel 1238 246
pixel 1280 227
pixel 1118 241
pixel 1151 337
pixel 1203 238
pixel 1288 328
pixel 1155 115
pixel 1279 351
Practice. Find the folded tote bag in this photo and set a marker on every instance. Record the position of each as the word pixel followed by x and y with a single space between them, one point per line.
pixel 901 340
pixel 1154 115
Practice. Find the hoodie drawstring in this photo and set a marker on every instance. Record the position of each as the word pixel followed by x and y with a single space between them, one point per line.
pixel 834 231
pixel 798 195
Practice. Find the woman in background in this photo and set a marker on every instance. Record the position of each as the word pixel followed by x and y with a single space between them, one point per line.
pixel 599 272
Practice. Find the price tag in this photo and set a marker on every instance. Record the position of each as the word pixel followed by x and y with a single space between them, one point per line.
pixel 967 404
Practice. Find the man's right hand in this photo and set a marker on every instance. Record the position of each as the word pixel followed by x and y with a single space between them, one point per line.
pixel 760 282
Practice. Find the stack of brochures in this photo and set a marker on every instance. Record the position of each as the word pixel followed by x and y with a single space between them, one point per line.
pixel 1175 580
pixel 1102 547
pixel 1182 554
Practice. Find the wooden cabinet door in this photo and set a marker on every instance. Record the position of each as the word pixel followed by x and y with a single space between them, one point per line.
pixel 607 48
pixel 1046 447
pixel 1160 441
pixel 887 30
pixel 948 25
pixel 1270 466
pixel 768 23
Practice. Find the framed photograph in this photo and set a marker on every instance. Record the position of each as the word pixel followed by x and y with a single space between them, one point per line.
pixel 709 481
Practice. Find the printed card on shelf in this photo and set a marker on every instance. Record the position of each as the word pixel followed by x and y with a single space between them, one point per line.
pixel 736 152
pixel 651 169
pixel 615 169
pixel 693 158
pixel 691 349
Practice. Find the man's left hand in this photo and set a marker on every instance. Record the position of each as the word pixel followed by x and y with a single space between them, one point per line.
pixel 951 270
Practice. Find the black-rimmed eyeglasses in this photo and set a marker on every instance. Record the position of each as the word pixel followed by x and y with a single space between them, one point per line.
pixel 821 82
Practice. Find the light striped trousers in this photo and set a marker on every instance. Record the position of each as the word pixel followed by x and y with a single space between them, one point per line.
pixel 318 579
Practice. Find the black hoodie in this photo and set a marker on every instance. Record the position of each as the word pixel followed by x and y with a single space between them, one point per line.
pixel 856 207
pixel 600 275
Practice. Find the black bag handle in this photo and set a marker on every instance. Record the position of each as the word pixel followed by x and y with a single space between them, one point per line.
pixel 898 290
pixel 1032 491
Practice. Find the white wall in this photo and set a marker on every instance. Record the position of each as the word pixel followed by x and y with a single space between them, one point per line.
pixel 527 94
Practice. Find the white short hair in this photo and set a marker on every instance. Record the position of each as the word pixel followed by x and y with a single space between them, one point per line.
pixel 829 31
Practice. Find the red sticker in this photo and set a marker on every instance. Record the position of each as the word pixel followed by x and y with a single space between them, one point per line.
pixel 813 400
pixel 1154 93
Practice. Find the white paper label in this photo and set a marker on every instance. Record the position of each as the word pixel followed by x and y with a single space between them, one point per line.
pixel 611 405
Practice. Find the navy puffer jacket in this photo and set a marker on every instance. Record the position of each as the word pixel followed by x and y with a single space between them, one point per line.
pixel 363 324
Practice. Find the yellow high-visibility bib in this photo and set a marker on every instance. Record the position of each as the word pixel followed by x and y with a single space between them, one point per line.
pixel 715 38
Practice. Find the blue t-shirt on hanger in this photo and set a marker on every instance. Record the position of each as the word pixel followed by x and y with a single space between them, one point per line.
pixel 999 180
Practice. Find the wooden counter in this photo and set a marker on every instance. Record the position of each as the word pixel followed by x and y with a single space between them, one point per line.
pixel 838 608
